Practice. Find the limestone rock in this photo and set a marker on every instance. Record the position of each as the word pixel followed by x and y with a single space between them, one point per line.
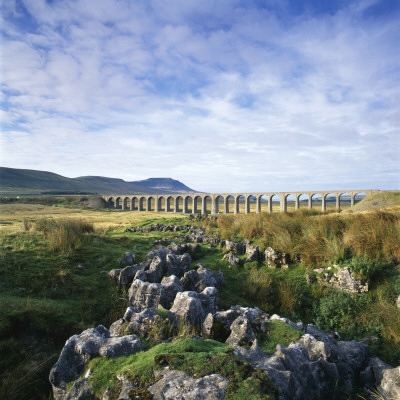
pixel 81 390
pixel 188 307
pixel 154 273
pixel 172 285
pixel 198 280
pixel 276 259
pixel 175 385
pixel 144 295
pixel 241 332
pixel 231 258
pixel 252 252
pixel 80 349
pixel 382 379
pixel 177 265
pixel 129 259
pixel 236 247
pixel 343 280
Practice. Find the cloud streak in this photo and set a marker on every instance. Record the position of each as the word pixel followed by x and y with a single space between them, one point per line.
pixel 224 96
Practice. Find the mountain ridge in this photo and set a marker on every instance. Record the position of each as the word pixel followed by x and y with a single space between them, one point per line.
pixel 29 181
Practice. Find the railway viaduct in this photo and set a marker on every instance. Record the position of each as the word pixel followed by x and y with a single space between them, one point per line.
pixel 226 202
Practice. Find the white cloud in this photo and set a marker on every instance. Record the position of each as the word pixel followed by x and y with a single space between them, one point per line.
pixel 223 96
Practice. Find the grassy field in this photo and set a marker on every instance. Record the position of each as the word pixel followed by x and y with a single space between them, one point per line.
pixel 45 297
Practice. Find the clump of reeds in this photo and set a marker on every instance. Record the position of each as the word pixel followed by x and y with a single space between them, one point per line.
pixel 64 234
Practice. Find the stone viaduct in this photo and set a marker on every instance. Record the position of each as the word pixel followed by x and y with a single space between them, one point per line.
pixel 223 202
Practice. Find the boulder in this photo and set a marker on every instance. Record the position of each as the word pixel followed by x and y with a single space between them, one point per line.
pixel 252 253
pixel 154 273
pixel 241 332
pixel 128 259
pixel 81 390
pixel 209 299
pixel 188 307
pixel 231 258
pixel 276 259
pixel 124 277
pixel 80 349
pixel 343 280
pixel 382 379
pixel 173 385
pixel 172 285
pixel 144 295
pixel 236 247
pixel 198 280
pixel 177 265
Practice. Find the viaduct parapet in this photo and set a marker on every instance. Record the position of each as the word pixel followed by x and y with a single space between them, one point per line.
pixel 226 202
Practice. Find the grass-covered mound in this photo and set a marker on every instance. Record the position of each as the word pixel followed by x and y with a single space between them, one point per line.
pixel 378 201
pixel 196 357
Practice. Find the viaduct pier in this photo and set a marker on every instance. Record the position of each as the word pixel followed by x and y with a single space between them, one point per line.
pixel 229 202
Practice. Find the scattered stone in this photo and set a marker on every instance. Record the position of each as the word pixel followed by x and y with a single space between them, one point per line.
pixel 81 267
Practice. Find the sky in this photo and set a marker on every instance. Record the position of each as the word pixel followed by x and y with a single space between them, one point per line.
pixel 223 95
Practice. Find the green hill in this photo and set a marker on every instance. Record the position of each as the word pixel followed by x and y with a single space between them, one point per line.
pixel 378 201
pixel 27 181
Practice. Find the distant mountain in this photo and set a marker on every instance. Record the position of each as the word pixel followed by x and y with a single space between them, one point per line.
pixel 23 181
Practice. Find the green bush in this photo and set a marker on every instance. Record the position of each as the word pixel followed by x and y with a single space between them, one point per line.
pixel 345 313
pixel 366 268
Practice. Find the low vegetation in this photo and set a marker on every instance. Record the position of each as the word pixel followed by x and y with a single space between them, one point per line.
pixel 195 357
pixel 45 297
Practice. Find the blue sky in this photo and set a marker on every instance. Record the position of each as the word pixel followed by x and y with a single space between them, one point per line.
pixel 223 95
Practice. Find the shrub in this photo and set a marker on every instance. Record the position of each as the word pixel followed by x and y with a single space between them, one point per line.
pixel 364 267
pixel 345 313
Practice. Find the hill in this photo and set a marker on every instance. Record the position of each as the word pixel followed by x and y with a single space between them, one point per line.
pixel 378 201
pixel 27 181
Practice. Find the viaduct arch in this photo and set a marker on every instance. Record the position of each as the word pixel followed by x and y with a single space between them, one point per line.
pixel 223 203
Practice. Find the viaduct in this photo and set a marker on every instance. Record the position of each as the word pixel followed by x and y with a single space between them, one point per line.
pixel 223 202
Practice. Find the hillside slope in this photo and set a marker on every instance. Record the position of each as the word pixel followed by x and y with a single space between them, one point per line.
pixel 22 181
pixel 378 201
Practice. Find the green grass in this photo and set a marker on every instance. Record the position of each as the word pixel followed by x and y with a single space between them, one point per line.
pixel 198 358
pixel 44 298
pixel 378 201
pixel 278 332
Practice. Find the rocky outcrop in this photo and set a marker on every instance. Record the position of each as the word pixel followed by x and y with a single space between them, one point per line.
pixel 314 367
pixel 235 247
pixel 174 385
pixel 80 349
pixel 343 279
